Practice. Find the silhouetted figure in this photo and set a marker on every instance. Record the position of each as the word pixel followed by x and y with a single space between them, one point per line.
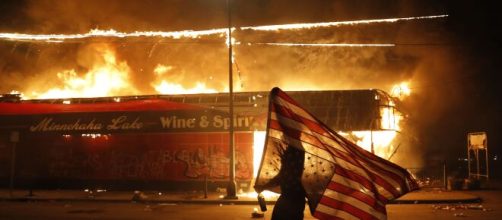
pixel 291 202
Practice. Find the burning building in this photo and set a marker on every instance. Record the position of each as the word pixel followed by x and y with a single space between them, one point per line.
pixel 168 141
pixel 108 137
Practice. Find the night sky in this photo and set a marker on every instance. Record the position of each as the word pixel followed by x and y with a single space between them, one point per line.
pixel 453 63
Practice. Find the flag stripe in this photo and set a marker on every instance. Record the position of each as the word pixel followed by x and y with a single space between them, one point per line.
pixel 323 216
pixel 390 192
pixel 357 194
pixel 355 203
pixel 329 212
pixel 368 156
pixel 289 113
pixel 358 186
pixel 389 171
pixel 386 179
pixel 298 144
pixel 346 207
pixel 316 126
pixel 360 183
pixel 385 191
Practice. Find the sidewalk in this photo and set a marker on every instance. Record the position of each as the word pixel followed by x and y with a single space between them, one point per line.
pixel 428 196
pixel 195 197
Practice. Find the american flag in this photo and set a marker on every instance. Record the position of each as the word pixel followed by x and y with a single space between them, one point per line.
pixel 341 180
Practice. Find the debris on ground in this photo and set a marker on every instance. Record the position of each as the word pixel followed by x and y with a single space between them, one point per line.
pixel 453 207
pixel 461 214
pixel 256 214
pixel 138 196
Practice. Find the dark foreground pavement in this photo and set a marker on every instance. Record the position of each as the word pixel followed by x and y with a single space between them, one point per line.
pixel 75 204
pixel 429 196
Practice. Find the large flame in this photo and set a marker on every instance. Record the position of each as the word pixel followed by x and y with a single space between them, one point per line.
pixel 163 86
pixel 380 142
pixel 106 77
pixel 110 77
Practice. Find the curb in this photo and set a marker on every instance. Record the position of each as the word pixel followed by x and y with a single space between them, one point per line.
pixel 143 201
pixel 442 201
pixel 212 201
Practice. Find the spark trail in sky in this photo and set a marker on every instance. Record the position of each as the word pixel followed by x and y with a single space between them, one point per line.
pixel 325 45
pixel 191 34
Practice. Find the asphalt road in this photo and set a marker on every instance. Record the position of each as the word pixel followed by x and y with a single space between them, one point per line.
pixel 492 203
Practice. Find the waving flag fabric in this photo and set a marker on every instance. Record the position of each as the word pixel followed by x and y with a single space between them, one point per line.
pixel 341 180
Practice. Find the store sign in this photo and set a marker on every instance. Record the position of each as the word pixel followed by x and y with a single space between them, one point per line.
pixel 117 122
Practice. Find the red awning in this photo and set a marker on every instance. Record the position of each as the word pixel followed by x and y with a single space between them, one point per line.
pixel 26 108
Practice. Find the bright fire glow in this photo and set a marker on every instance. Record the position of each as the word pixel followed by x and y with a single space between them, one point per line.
pixel 382 141
pixel 253 195
pixel 110 33
pixel 390 117
pixel 258 144
pixel 379 141
pixel 401 90
pixel 111 78
pixel 106 77
pixel 163 86
pixel 336 23
pixel 326 45
pixel 57 38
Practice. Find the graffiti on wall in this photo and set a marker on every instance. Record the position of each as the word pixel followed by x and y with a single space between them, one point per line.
pixel 174 164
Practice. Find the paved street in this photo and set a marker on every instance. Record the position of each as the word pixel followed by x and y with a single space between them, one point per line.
pixel 109 210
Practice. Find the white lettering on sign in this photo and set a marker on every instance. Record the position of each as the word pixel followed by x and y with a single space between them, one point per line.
pixel 175 122
pixel 239 121
pixel 217 121
pixel 47 124
pixel 121 123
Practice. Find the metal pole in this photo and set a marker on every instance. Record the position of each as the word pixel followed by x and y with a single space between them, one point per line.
pixel 205 186
pixel 487 158
pixel 468 156
pixel 477 164
pixel 445 184
pixel 371 137
pixel 231 188
pixel 12 168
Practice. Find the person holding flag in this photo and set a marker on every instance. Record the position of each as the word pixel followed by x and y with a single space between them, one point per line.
pixel 339 179
pixel 291 202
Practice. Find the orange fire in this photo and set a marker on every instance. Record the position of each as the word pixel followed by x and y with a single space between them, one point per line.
pixel 106 77
pixel 380 142
pixel 57 38
pixel 401 90
pixel 110 77
pixel 163 86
